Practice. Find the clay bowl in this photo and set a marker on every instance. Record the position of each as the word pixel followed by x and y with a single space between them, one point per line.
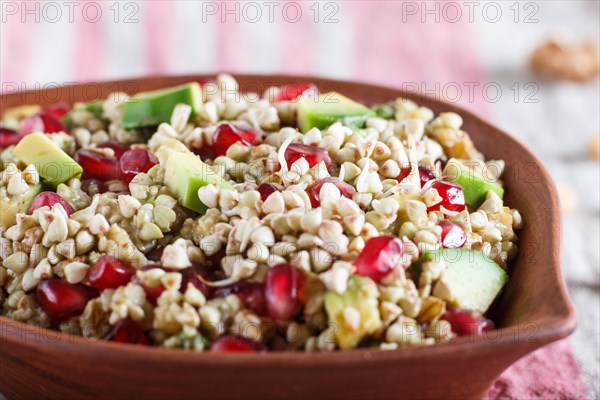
pixel 533 310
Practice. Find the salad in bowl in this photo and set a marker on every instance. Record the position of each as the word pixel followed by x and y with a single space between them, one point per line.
pixel 204 218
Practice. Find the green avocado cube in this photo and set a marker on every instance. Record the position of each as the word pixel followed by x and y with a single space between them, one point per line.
pixel 474 185
pixel 185 173
pixel 153 108
pixel 10 207
pixel 53 164
pixel 471 281
pixel 325 110
pixel 361 294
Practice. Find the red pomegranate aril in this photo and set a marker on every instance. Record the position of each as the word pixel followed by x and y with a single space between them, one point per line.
pixel 453 236
pixel 464 323
pixel 41 123
pixel 425 174
pixel 117 147
pixel 380 255
pixel 49 199
pixel 205 152
pixel 281 291
pixel 293 91
pixel 61 300
pixel 265 190
pixel 236 343
pixel 453 198
pixel 109 273
pixel 9 137
pixel 97 166
pixel 226 135
pixel 312 154
pixel 57 110
pixel 252 295
pixel 152 293
pixel 134 162
pixel 127 331
pixel 346 190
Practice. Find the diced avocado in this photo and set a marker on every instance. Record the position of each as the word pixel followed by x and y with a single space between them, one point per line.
pixel 154 108
pixel 53 164
pixel 475 186
pixel 361 294
pixel 471 281
pixel 10 207
pixel 185 173
pixel 328 108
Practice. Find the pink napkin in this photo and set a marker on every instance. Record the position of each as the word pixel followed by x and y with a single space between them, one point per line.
pixel 548 373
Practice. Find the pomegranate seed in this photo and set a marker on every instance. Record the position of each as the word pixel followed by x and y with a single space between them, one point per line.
pixel 92 186
pixel 226 134
pixel 8 137
pixel 425 174
pixel 49 199
pixel 265 189
pixel 453 235
pixel 61 300
pixel 231 342
pixel 380 255
pixel 135 161
pixel 453 198
pixel 312 154
pixel 97 166
pixel 281 291
pixel 293 91
pixel 127 331
pixel 45 123
pixel 251 293
pixel 57 110
pixel 118 147
pixel 345 189
pixel 205 152
pixel 464 323
pixel 109 273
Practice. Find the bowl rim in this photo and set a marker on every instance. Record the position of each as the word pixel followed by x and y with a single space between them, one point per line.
pixel 550 328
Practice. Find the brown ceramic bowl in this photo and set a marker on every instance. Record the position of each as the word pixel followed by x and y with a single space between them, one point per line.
pixel 533 310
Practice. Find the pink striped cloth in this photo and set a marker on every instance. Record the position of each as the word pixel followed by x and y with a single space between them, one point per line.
pixel 379 45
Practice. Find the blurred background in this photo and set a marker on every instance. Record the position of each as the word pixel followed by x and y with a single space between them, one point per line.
pixel 531 67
